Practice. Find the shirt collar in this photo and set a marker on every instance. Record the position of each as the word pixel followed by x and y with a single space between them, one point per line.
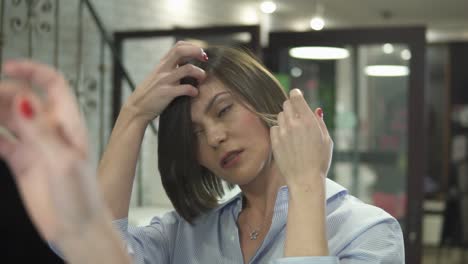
pixel 332 190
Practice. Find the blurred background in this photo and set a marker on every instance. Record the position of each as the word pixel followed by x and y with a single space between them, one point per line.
pixel 390 76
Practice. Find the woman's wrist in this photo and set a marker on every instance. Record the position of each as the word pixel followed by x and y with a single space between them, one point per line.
pixel 306 229
pixel 136 115
pixel 309 183
pixel 94 240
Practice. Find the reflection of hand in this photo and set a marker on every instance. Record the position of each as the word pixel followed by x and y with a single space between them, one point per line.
pixel 301 144
pixel 163 85
pixel 49 159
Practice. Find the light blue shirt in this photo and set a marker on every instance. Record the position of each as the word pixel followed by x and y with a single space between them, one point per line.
pixel 357 233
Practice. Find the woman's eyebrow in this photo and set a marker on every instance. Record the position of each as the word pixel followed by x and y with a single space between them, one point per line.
pixel 213 100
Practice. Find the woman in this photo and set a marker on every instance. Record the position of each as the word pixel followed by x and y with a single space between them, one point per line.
pixel 218 121
pixel 45 145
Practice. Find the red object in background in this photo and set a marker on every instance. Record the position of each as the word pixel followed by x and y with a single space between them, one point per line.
pixel 394 204
pixel 389 142
pixel 312 84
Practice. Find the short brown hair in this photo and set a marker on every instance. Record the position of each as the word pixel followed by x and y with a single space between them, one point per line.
pixel 192 188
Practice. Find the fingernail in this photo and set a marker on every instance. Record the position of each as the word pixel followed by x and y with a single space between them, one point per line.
pixel 297 91
pixel 320 112
pixel 26 109
pixel 205 56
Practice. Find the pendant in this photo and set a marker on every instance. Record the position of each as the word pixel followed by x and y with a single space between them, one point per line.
pixel 253 235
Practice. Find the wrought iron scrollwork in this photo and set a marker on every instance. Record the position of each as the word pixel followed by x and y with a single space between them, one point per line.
pixel 34 16
pixel 86 93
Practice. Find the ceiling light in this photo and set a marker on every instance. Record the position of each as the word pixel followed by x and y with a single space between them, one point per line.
pixel 174 5
pixel 296 72
pixel 249 15
pixel 317 23
pixel 386 70
pixel 299 25
pixel 388 48
pixel 405 54
pixel 319 53
pixel 268 7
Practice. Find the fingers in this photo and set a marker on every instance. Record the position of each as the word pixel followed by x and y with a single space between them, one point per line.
pixel 184 89
pixel 41 75
pixel 274 138
pixel 25 110
pixel 298 103
pixel 7 134
pixel 302 110
pixel 8 138
pixel 296 107
pixel 184 71
pixel 282 123
pixel 289 114
pixel 27 114
pixel 52 82
pixel 180 53
pixel 60 100
pixel 321 122
pixel 8 90
pixel 7 143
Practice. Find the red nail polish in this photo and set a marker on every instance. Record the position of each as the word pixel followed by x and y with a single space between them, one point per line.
pixel 320 112
pixel 26 109
pixel 205 56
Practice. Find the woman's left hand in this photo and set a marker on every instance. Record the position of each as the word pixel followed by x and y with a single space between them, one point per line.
pixel 49 156
pixel 47 151
pixel 302 147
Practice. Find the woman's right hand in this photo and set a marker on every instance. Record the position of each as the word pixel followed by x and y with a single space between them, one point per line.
pixel 157 91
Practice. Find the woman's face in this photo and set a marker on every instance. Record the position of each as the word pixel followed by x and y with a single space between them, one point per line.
pixel 233 142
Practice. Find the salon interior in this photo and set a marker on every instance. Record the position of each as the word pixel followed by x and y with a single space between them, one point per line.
pixel 389 75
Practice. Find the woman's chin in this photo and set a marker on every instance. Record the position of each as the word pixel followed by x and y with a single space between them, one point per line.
pixel 240 181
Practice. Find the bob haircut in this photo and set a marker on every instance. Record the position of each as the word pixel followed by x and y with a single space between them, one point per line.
pixel 192 188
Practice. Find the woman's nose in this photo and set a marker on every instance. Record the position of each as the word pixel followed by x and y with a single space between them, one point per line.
pixel 216 136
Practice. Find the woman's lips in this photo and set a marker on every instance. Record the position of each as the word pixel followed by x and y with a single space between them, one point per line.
pixel 231 159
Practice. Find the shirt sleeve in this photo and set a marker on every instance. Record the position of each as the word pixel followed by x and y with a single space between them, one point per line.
pixel 149 244
pixel 307 260
pixel 381 244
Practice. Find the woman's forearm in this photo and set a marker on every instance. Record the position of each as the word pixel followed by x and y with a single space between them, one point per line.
pixel 97 242
pixel 306 227
pixel 117 166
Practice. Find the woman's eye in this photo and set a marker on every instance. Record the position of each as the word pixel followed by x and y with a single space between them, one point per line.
pixel 224 110
pixel 197 132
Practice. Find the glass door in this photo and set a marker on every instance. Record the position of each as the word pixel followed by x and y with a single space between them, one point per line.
pixel 370 86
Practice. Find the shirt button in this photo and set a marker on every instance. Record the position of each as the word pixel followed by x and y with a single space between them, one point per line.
pixel 233 238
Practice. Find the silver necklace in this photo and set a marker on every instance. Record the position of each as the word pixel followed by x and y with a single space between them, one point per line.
pixel 254 232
